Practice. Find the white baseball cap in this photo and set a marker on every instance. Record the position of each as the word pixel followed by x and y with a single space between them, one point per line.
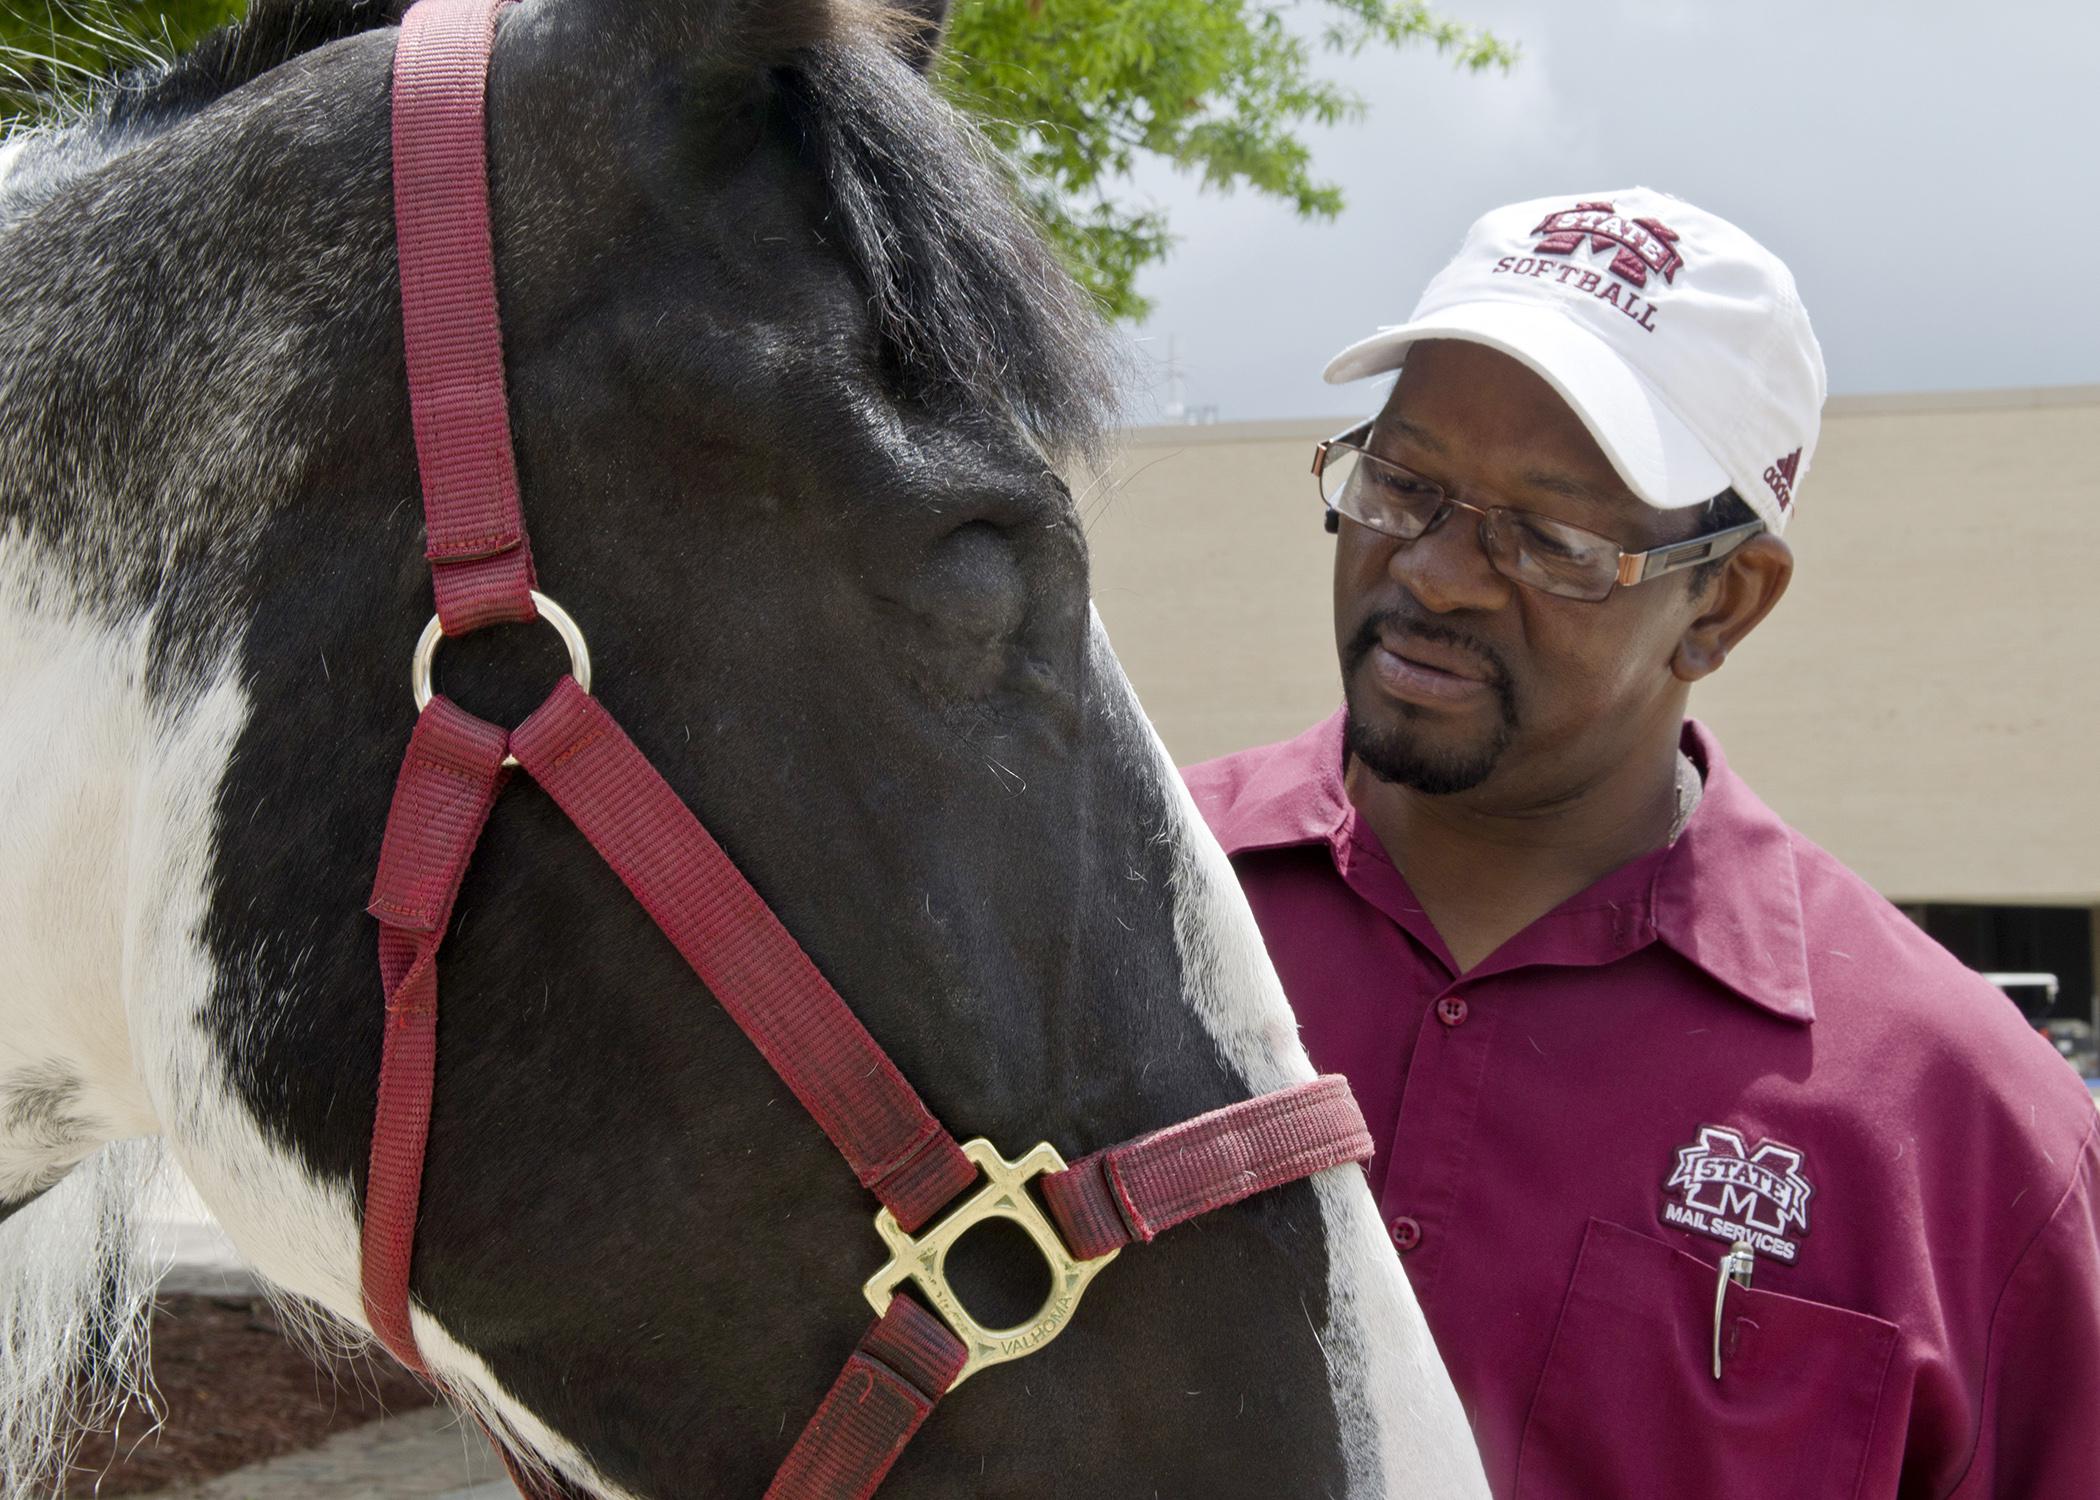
pixel 1678 339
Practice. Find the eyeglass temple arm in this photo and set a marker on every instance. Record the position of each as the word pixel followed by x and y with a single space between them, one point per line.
pixel 1332 520
pixel 1639 567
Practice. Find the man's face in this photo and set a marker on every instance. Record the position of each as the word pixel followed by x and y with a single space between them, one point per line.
pixel 1457 677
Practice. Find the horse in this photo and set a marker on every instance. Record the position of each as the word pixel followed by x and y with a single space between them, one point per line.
pixel 794 384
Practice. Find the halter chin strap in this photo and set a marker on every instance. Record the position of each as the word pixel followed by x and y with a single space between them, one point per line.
pixel 456 767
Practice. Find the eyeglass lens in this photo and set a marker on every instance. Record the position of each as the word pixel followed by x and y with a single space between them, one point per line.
pixel 1525 548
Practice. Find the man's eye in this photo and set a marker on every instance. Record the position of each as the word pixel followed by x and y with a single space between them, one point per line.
pixel 1404 488
pixel 1544 540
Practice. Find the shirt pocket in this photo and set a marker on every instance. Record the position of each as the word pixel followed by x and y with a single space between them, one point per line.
pixel 1628 1407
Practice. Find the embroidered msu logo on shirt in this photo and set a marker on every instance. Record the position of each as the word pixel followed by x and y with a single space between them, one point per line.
pixel 1723 1189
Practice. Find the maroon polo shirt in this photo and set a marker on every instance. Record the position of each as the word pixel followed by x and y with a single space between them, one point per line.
pixel 1732 1036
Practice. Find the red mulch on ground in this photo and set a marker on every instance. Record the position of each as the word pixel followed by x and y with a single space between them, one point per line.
pixel 233 1391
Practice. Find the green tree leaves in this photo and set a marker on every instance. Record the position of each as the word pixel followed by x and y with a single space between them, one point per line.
pixel 1075 92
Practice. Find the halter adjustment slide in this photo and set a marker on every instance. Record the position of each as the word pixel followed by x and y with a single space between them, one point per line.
pixel 923 1258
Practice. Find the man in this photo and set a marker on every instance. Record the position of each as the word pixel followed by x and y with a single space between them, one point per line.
pixel 1713 1174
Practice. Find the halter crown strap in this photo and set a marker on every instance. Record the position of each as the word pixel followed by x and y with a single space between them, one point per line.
pixel 480 560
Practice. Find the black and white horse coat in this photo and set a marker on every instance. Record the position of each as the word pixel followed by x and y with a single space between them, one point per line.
pixel 791 384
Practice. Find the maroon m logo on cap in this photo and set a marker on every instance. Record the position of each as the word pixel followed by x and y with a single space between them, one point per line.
pixel 1641 245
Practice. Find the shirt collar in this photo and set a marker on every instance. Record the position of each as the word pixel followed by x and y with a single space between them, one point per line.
pixel 1289 793
pixel 1726 895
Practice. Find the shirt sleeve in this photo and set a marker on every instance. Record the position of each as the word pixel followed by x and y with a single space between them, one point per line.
pixel 2037 1439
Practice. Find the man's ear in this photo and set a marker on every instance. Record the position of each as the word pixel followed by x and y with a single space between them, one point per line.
pixel 1751 581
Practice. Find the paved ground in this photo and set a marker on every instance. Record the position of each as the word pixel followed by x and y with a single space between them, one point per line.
pixel 424 1455
pixel 199 1256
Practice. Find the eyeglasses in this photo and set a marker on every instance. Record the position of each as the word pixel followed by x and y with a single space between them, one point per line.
pixel 1521 545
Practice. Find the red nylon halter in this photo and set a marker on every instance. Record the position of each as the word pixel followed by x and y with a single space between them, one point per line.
pixel 455 768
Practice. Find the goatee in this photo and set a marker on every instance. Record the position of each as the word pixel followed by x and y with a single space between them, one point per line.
pixel 1399 753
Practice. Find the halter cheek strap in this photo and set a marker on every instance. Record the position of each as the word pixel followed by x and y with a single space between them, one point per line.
pixel 456 767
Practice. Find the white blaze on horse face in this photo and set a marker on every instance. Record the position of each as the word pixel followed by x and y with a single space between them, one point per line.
pixel 472 1386
pixel 1403 1429
pixel 1402 1421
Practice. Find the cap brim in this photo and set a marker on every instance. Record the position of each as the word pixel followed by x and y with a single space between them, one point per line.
pixel 1655 453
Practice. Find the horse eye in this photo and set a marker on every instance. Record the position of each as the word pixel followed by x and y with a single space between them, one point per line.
pixel 973 582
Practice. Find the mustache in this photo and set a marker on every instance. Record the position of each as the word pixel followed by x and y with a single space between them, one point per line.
pixel 1402 623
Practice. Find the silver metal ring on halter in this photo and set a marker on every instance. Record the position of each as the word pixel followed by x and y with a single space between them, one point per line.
pixel 425 659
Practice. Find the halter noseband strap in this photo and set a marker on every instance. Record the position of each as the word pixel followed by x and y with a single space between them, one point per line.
pixel 456 767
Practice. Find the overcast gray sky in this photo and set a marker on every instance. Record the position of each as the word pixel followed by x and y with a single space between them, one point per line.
pixel 1929 170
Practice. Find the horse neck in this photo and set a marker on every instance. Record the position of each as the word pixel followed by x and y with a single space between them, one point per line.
pixel 125 494
pixel 94 798
pixel 157 376
pixel 165 337
pixel 71 807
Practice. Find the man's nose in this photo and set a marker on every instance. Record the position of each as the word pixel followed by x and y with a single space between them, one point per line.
pixel 1447 569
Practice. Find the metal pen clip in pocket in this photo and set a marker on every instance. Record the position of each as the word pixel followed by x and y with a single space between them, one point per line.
pixel 1736 1266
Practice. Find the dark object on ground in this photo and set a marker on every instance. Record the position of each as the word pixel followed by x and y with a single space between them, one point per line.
pixel 233 1391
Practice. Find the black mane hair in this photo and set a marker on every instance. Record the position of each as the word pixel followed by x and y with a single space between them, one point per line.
pixel 270 35
pixel 970 302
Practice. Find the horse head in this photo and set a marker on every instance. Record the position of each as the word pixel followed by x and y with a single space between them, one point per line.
pixel 793 384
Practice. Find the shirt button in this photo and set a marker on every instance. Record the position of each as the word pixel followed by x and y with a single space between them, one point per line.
pixel 1406 1233
pixel 1451 1010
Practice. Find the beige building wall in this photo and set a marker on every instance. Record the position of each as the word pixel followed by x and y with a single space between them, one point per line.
pixel 1925 702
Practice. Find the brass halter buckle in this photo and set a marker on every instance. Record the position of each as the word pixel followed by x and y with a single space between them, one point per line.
pixel 924 1258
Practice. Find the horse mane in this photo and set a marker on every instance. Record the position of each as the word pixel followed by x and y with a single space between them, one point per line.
pixel 970 302
pixel 271 34
pixel 68 136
